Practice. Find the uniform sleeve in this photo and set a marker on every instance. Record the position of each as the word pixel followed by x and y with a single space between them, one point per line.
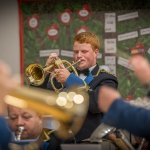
pixel 134 119
pixel 102 79
pixel 5 134
pixel 73 80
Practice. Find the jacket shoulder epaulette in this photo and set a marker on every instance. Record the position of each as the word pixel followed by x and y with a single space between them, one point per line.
pixel 104 71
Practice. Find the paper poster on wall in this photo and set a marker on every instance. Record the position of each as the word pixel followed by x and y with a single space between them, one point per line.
pixel 46 53
pixel 148 51
pixel 110 22
pixel 110 45
pixel 145 31
pixel 99 56
pixel 128 16
pixel 127 36
pixel 67 53
pixel 124 62
pixel 110 61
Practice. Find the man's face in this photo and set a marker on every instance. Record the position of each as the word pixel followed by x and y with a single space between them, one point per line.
pixel 31 122
pixel 86 54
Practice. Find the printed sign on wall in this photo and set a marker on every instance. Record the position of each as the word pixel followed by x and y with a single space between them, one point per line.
pixel 110 22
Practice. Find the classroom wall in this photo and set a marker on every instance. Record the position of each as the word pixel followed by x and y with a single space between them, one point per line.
pixel 9 34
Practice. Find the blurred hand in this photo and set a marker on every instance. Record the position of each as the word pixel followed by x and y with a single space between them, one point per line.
pixel 106 97
pixel 62 74
pixel 7 83
pixel 141 68
pixel 51 58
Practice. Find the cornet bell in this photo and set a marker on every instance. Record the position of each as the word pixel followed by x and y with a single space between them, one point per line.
pixel 35 74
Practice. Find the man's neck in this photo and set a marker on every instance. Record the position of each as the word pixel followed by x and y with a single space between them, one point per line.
pixel 91 68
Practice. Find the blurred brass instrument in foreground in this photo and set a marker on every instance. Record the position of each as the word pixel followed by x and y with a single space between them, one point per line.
pixel 105 132
pixel 68 108
pixel 36 74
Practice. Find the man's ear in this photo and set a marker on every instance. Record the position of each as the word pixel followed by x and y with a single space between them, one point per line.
pixel 97 51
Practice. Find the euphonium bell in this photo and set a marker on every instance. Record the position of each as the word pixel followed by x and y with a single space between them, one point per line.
pixel 67 108
pixel 36 74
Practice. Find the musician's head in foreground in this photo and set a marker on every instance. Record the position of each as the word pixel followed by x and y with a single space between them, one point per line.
pixel 26 118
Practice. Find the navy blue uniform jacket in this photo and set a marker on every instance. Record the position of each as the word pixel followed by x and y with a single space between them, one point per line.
pixel 5 134
pixel 94 115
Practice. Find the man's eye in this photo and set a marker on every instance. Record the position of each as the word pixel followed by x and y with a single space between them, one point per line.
pixel 27 117
pixel 75 52
pixel 12 118
pixel 84 51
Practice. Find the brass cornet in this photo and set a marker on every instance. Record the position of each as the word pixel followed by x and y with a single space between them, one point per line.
pixel 36 74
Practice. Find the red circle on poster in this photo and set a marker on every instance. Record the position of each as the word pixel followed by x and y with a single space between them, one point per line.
pixel 33 21
pixel 53 31
pixel 65 17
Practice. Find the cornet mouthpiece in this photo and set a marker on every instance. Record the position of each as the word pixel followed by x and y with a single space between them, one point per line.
pixel 20 129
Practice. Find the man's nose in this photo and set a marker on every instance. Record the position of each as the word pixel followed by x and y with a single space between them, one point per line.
pixel 20 121
pixel 79 55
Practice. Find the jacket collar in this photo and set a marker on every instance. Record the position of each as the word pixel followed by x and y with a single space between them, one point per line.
pixel 96 70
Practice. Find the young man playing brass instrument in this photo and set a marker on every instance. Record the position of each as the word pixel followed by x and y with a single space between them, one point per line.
pixel 85 51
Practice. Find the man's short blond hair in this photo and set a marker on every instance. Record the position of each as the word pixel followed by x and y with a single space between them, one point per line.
pixel 88 37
